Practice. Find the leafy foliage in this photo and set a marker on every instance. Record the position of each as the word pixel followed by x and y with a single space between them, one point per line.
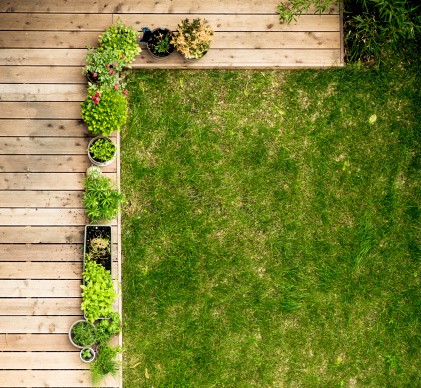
pixel 291 10
pixel 83 333
pixel 121 38
pixel 193 38
pixel 105 111
pixel 98 293
pixel 102 149
pixel 105 363
pixel 87 354
pixel 106 328
pixel 101 199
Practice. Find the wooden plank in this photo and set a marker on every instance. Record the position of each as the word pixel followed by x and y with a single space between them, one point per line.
pixel 35 324
pixel 235 22
pixel 45 199
pixel 145 6
pixel 13 216
pixel 44 146
pixel 40 288
pixel 41 270
pixel 36 342
pixel 44 181
pixel 45 234
pixel 47 163
pixel 60 22
pixel 40 110
pixel 51 378
pixel 40 252
pixel 48 128
pixel 34 57
pixel 48 39
pixel 40 306
pixel 40 361
pixel 251 58
pixel 42 74
pixel 41 92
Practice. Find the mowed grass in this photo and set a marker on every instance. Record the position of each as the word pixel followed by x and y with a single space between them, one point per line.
pixel 271 229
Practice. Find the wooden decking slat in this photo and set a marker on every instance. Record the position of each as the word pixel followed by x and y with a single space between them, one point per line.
pixel 39 288
pixel 35 324
pixel 40 306
pixel 41 270
pixel 13 216
pixel 36 342
pixel 46 128
pixel 44 360
pixel 41 74
pixel 40 110
pixel 44 146
pixel 41 92
pixel 29 56
pixel 41 199
pixel 46 163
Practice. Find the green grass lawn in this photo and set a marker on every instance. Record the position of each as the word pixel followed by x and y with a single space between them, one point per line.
pixel 271 229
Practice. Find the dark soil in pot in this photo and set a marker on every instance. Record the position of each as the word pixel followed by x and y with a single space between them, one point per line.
pixel 159 45
pixel 92 234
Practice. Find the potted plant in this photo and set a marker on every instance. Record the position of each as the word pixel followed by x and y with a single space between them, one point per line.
pixel 87 355
pixel 102 198
pixel 101 151
pixel 123 39
pixel 103 66
pixel 82 334
pixel 104 110
pixel 193 38
pixel 159 44
pixel 98 244
pixel 105 363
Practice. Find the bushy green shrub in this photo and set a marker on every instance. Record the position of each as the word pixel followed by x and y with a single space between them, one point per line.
pixel 102 149
pixel 105 363
pixel 98 293
pixel 101 199
pixel 104 111
pixel 121 38
pixel 106 328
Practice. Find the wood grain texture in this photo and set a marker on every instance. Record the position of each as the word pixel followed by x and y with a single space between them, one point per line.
pixel 44 146
pixel 40 252
pixel 41 361
pixel 36 342
pixel 42 74
pixel 40 288
pixel 40 110
pixel 41 270
pixel 42 92
pixel 46 128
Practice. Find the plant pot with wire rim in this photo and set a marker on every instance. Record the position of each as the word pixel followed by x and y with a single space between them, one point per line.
pixel 159 44
pixel 82 334
pixel 102 151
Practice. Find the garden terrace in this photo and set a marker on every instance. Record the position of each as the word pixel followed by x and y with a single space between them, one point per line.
pixel 43 150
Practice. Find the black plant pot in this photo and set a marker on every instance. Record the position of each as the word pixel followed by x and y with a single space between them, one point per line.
pixel 156 36
pixel 94 232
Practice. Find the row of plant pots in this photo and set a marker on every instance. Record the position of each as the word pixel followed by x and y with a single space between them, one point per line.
pixel 104 112
pixel 192 40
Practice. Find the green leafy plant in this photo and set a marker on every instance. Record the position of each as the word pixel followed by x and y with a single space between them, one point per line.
pixel 102 149
pixel 193 38
pixel 87 354
pixel 106 328
pixel 104 66
pixel 105 363
pixel 104 111
pixel 98 293
pixel 101 199
pixel 83 333
pixel 160 42
pixel 289 11
pixel 121 38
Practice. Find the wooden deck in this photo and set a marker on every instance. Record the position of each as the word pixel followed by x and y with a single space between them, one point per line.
pixel 43 150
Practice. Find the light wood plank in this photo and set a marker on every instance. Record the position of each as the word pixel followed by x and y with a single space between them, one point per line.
pixel 48 39
pixel 48 128
pixel 40 306
pixel 41 92
pixel 40 288
pixel 60 22
pixel 145 6
pixel 35 324
pixel 50 378
pixel 41 361
pixel 44 199
pixel 46 234
pixel 40 252
pixel 13 216
pixel 28 56
pixel 42 74
pixel 41 270
pixel 236 58
pixel 36 342
pixel 236 22
pixel 47 163
pixel 44 145
pixel 40 110
pixel 44 181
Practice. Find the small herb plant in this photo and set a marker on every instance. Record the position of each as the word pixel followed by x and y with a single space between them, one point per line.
pixel 83 333
pixel 104 111
pixel 193 38
pixel 106 328
pixel 102 150
pixel 290 11
pixel 98 293
pixel 87 354
pixel 160 42
pixel 101 199
pixel 105 363
pixel 121 38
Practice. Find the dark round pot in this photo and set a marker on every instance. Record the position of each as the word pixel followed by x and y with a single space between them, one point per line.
pixel 157 36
